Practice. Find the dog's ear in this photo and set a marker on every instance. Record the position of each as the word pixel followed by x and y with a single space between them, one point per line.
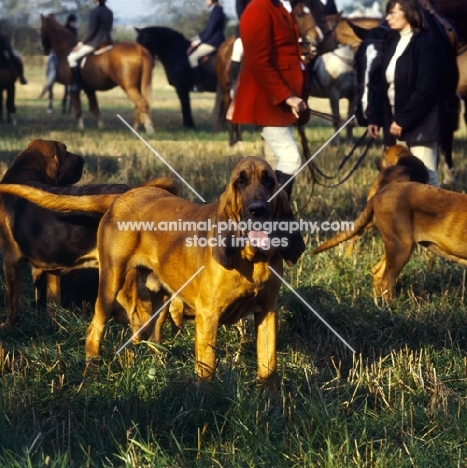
pixel 224 252
pixel 70 166
pixel 291 244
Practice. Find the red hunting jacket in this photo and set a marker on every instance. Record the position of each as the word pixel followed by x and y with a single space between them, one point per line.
pixel 272 69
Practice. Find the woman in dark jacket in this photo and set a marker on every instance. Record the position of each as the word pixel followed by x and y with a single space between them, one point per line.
pixel 209 39
pixel 407 102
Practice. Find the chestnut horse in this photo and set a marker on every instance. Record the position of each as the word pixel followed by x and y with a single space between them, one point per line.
pixel 311 37
pixel 125 64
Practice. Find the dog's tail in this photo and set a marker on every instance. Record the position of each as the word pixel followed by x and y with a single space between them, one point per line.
pixel 360 224
pixel 88 203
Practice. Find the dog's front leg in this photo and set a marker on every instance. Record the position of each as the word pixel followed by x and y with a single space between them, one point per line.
pixel 266 342
pixel 53 295
pixel 12 271
pixel 206 324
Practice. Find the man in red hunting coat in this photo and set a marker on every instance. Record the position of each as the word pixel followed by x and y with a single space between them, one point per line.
pixel 270 82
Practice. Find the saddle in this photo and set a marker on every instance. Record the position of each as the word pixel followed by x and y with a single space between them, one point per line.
pixel 102 49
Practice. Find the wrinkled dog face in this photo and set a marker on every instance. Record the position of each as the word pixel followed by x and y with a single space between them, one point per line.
pixel 255 183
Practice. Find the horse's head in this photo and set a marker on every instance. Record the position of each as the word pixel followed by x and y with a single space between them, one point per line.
pixel 368 63
pixel 309 30
pixel 45 35
pixel 55 36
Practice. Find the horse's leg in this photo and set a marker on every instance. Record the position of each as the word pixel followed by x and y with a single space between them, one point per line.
pixel 334 101
pixel 94 107
pixel 78 110
pixel 65 99
pixel 183 94
pixel 10 104
pixel 1 105
pixel 51 100
pixel 141 113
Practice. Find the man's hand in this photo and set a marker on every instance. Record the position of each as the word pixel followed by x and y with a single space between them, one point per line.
pixel 297 104
pixel 395 130
pixel 373 130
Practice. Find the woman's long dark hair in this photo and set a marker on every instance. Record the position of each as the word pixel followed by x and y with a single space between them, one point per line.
pixel 413 12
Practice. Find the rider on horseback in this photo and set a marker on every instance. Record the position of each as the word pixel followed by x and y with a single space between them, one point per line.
pixel 208 40
pixel 99 31
pixel 10 58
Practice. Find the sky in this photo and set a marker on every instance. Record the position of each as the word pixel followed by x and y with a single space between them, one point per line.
pixel 128 8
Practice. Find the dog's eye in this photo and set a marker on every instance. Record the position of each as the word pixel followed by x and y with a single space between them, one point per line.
pixel 266 180
pixel 242 180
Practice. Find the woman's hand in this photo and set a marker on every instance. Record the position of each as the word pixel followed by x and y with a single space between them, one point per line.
pixel 395 130
pixel 373 130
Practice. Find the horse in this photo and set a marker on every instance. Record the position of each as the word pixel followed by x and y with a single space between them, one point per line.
pixel 368 61
pixel 170 47
pixel 8 76
pixel 51 76
pixel 455 11
pixel 332 76
pixel 125 64
pixel 311 37
pixel 343 33
pixel 462 84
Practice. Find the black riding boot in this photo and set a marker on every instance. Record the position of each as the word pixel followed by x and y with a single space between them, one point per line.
pixel 76 81
pixel 282 178
pixel 233 75
pixel 197 81
pixel 19 69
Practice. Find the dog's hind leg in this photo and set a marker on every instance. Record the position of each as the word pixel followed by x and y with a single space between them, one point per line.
pixel 111 279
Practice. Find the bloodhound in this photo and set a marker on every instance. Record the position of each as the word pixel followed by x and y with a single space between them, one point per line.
pixel 49 240
pixel 396 165
pixel 221 274
pixel 407 214
pixel 221 268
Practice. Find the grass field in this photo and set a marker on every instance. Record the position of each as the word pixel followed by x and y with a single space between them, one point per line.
pixel 399 401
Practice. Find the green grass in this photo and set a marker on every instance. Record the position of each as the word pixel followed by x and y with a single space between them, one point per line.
pixel 400 401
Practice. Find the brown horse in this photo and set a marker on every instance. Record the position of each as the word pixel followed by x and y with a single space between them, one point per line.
pixel 126 64
pixel 462 84
pixel 344 33
pixel 311 36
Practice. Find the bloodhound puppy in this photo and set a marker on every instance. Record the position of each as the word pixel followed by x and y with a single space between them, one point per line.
pixel 51 241
pixel 223 268
pixel 407 214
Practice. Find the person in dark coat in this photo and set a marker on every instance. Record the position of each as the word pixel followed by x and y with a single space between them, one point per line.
pixel 209 39
pixel 11 59
pixel 71 24
pixel 407 103
pixel 99 30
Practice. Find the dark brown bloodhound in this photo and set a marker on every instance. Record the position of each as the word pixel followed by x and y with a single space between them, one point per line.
pixel 49 240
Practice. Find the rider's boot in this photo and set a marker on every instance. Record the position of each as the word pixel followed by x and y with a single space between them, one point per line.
pixel 197 83
pixel 76 80
pixel 18 66
pixel 233 75
pixel 282 178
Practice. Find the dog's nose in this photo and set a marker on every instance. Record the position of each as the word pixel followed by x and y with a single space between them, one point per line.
pixel 258 209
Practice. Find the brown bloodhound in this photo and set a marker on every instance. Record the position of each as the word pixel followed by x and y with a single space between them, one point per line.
pixel 50 241
pixel 42 162
pixel 222 275
pixel 407 214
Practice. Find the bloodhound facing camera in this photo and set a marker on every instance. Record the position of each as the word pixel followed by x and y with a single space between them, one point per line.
pixel 218 264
